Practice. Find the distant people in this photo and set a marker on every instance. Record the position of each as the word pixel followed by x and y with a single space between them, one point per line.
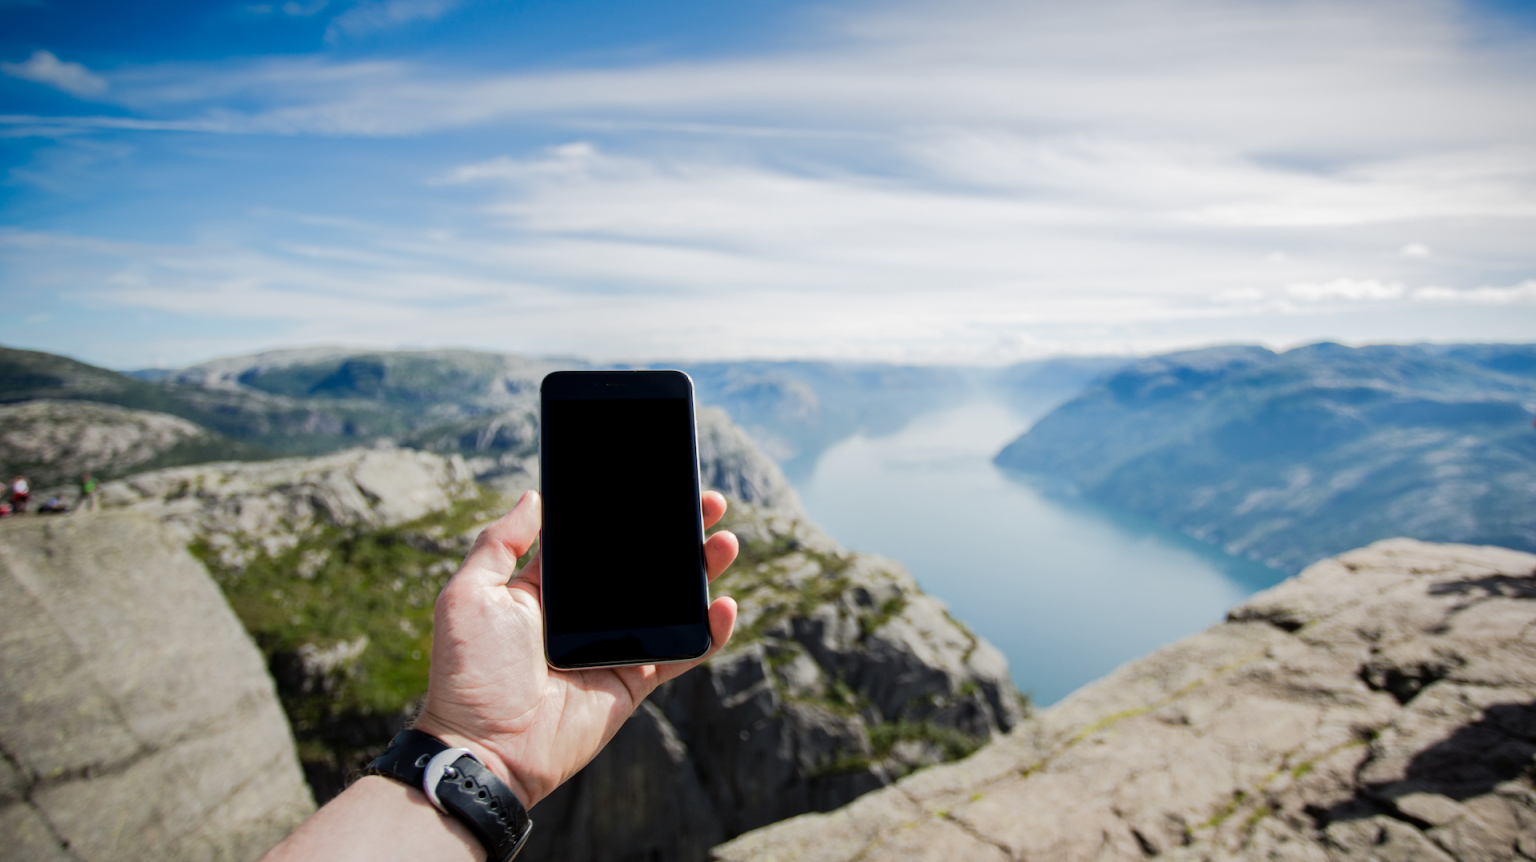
pixel 53 506
pixel 87 493
pixel 5 509
pixel 20 491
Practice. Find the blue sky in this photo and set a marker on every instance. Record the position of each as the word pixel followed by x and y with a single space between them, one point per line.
pixel 976 182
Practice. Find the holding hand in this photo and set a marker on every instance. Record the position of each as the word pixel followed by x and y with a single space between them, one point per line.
pixel 492 692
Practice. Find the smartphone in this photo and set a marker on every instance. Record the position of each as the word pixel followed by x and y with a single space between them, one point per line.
pixel 623 534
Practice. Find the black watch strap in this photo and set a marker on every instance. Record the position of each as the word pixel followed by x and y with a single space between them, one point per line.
pixel 467 790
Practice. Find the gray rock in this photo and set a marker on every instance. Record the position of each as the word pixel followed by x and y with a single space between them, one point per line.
pixel 137 720
pixel 53 442
pixel 1381 705
pixel 237 507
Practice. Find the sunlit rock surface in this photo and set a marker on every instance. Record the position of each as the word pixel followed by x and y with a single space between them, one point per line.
pixel 236 507
pixel 137 719
pixel 1381 705
pixel 53 442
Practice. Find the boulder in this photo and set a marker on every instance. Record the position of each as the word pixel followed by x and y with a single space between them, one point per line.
pixel 1381 705
pixel 137 719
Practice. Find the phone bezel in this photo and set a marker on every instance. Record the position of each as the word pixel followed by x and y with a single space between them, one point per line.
pixel 645 645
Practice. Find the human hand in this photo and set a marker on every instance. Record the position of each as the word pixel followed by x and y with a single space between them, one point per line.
pixel 490 689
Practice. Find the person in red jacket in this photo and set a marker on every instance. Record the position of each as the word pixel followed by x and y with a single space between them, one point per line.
pixel 20 491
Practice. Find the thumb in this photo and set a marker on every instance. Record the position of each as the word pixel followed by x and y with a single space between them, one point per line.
pixel 493 559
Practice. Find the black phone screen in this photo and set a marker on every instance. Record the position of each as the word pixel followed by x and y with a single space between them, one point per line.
pixel 622 540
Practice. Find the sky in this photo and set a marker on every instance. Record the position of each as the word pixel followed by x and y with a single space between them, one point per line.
pixel 965 183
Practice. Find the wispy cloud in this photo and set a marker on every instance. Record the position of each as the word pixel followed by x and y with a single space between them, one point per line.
pixel 373 15
pixel 45 68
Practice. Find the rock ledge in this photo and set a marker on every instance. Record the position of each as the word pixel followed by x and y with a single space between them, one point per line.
pixel 1381 705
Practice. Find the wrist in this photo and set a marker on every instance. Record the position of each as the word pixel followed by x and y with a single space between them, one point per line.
pixel 487 756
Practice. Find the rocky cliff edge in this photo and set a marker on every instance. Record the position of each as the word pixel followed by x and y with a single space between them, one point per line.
pixel 1381 705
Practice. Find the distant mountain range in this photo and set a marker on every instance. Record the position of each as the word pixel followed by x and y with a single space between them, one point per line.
pixel 481 405
pixel 1287 458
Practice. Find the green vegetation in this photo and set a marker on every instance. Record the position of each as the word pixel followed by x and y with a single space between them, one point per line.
pixel 954 744
pixel 345 620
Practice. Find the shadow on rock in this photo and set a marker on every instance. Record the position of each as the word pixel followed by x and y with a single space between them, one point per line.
pixel 1489 587
pixel 1471 762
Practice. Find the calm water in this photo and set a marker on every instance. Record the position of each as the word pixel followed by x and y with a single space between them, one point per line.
pixel 1066 590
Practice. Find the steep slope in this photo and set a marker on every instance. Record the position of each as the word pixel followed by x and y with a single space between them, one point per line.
pixel 1380 706
pixel 1286 458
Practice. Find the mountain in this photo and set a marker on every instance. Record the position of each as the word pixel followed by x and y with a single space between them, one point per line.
pixel 1037 386
pixel 1380 706
pixel 274 423
pixel 1286 458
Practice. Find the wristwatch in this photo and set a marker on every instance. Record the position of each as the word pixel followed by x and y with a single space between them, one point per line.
pixel 458 784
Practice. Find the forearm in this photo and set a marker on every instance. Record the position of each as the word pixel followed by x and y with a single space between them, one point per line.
pixel 378 818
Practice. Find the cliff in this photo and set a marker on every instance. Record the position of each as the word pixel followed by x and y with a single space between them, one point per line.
pixel 137 720
pixel 1381 705
pixel 1287 458
pixel 842 677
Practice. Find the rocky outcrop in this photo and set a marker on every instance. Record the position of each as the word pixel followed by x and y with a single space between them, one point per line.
pixel 732 464
pixel 239 508
pixel 137 720
pixel 53 442
pixel 1381 705
pixel 843 676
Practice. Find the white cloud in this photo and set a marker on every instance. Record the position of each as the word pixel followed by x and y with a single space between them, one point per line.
pixel 1522 293
pixel 1346 289
pixel 45 68
pixel 1414 249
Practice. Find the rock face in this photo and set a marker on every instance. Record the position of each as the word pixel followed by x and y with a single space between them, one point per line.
pixel 732 464
pixel 1381 706
pixel 842 677
pixel 239 507
pixel 53 442
pixel 137 720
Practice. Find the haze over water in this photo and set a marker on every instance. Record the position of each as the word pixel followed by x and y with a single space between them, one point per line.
pixel 1067 590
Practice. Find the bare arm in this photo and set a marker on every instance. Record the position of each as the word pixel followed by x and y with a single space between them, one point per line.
pixel 491 691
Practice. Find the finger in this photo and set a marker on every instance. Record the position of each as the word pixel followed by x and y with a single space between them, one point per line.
pixel 494 557
pixel 533 573
pixel 722 623
pixel 719 552
pixel 713 504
